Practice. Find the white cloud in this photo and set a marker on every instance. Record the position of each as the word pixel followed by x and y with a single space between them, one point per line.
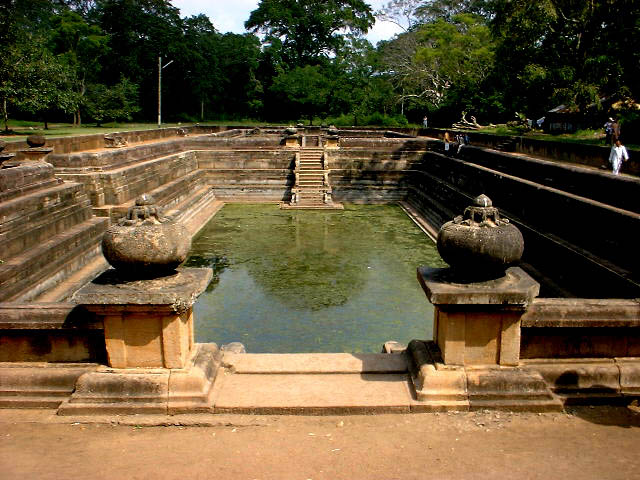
pixel 230 15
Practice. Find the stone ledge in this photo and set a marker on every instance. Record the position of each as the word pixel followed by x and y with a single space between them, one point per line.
pixel 39 385
pixel 312 363
pixel 175 291
pixel 582 312
pixel 514 288
pixel 109 391
pixel 440 387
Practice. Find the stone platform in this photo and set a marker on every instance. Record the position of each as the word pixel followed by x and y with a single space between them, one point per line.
pixel 223 382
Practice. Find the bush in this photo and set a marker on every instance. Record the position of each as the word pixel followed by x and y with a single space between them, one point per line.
pixel 343 120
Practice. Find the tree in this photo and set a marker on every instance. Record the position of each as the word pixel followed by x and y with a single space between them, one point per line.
pixel 41 83
pixel 563 51
pixel 116 102
pixel 309 31
pixel 82 47
pixel 305 90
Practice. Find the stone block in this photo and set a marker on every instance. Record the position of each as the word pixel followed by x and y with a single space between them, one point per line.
pixel 39 385
pixel 629 375
pixel 191 390
pixel 580 380
pixel 119 392
pixel 110 391
pixel 509 388
pixel 147 323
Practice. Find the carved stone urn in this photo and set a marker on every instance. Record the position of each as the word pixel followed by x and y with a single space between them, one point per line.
pixel 145 244
pixel 480 245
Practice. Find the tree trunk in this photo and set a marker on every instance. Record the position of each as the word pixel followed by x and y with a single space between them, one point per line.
pixel 46 124
pixel 5 115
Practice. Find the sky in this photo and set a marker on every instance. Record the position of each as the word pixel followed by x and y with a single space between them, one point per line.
pixel 230 15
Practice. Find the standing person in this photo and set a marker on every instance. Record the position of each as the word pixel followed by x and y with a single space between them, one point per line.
pixel 447 140
pixel 425 122
pixel 617 156
pixel 615 131
pixel 608 131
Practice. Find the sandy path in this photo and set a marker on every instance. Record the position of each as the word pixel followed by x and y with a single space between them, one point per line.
pixel 591 443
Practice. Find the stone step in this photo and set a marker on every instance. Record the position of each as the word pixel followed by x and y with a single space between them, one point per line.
pixel 166 195
pixel 302 363
pixel 314 393
pixel 27 274
pixel 36 230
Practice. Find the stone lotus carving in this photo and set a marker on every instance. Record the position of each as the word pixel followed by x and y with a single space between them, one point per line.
pixel 145 244
pixel 480 244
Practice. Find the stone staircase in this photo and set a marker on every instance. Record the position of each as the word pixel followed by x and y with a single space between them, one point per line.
pixel 48 233
pixel 312 189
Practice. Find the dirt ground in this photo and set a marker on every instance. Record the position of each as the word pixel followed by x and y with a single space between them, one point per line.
pixel 585 443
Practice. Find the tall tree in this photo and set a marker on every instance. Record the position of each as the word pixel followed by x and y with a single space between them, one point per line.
pixel 82 47
pixel 309 30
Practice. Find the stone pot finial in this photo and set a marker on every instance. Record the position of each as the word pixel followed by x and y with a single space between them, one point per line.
pixel 145 244
pixel 480 244
pixel 36 141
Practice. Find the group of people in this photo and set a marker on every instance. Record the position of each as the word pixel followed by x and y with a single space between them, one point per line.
pixel 618 152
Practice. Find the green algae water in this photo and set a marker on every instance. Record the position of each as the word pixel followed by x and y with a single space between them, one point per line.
pixel 312 281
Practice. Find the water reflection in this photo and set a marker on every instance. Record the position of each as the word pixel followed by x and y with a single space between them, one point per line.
pixel 312 280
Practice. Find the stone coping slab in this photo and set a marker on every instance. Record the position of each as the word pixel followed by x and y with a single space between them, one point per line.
pixel 314 394
pixel 179 291
pixel 442 287
pixel 315 363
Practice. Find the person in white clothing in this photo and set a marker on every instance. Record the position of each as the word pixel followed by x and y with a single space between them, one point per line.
pixel 617 156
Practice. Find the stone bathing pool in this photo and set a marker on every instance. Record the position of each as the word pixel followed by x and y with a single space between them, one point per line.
pixel 312 281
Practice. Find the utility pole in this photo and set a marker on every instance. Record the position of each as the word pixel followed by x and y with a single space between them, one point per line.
pixel 160 67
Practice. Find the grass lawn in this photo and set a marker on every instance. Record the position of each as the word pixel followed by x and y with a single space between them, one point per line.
pixel 589 137
pixel 21 129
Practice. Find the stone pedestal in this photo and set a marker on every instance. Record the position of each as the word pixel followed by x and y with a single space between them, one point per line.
pixel 153 364
pixel 292 141
pixel 36 154
pixel 332 141
pixel 147 323
pixel 478 323
pixel 473 362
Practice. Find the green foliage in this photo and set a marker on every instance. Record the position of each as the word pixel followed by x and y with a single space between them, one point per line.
pixel 114 103
pixel 309 30
pixel 487 57
pixel 304 90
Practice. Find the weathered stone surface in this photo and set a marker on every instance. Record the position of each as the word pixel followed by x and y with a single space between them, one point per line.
pixel 440 386
pixel 146 244
pixel 442 287
pixel 582 313
pixel 36 141
pixel 147 323
pixel 580 380
pixel 587 328
pixel 480 244
pixel 313 394
pixel 38 385
pixel 512 389
pixel 308 363
pixel 629 375
pixel 140 391
pixel 178 291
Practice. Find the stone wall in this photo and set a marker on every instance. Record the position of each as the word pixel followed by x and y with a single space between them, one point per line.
pixel 568 242
pixel 50 332
pixel 47 231
pixel 618 191
pixel 596 156
pixel 581 328
pixel 92 142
